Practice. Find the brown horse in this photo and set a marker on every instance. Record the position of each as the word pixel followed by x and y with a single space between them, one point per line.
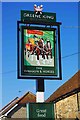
pixel 40 49
pixel 30 46
pixel 48 49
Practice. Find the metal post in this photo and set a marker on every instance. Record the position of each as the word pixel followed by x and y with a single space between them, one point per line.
pixel 59 49
pixel 39 90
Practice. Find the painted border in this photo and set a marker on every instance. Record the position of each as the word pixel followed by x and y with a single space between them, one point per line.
pixel 57 24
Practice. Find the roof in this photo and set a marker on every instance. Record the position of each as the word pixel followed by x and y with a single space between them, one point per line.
pixel 9 104
pixel 8 107
pixel 71 85
pixel 28 97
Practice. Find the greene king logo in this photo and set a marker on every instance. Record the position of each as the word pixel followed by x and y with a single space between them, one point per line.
pixel 38 9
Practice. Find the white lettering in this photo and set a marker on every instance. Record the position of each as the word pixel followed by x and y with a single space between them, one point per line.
pixel 31 71
pixel 38 16
pixel 41 113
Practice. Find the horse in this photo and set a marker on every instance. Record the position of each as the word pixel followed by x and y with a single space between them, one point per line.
pixel 40 49
pixel 30 46
pixel 48 49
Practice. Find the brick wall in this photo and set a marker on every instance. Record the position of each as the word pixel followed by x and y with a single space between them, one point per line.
pixel 67 107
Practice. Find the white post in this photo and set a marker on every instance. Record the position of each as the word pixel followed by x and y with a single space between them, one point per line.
pixel 40 90
pixel 39 97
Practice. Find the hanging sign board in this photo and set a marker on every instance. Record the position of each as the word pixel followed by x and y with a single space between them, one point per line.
pixel 38 51
pixel 32 16
pixel 40 111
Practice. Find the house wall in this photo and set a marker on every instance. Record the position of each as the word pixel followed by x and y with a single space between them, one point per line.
pixel 78 105
pixel 67 107
pixel 18 112
pixel 79 100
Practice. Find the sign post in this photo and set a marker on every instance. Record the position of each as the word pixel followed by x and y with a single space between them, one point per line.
pixel 39 56
pixel 40 90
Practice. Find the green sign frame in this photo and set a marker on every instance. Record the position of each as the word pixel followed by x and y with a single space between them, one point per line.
pixel 37 67
pixel 40 111
pixel 32 16
pixel 20 55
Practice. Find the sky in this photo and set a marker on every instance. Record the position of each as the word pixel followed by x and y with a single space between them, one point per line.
pixel 67 13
